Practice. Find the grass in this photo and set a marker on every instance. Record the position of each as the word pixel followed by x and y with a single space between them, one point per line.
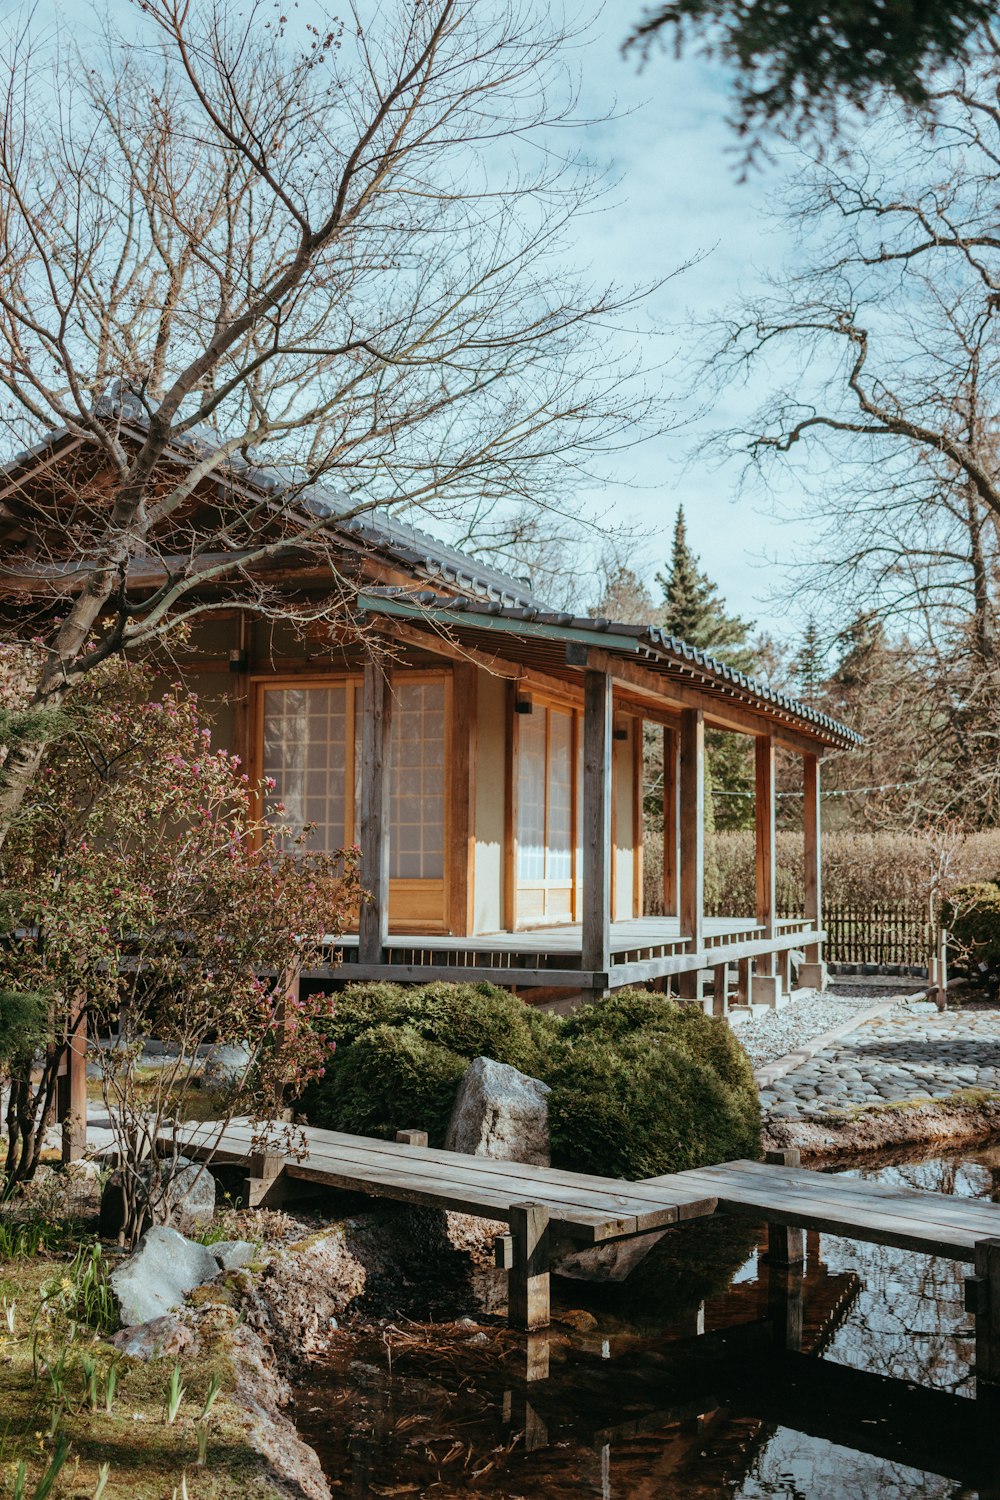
pixel 132 1430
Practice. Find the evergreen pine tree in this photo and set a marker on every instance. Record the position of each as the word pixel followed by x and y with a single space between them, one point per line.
pixel 809 665
pixel 693 610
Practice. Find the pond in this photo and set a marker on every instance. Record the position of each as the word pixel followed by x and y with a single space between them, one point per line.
pixel 674 1384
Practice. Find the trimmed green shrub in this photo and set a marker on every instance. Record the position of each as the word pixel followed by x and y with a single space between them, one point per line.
pixel 25 1023
pixel 638 1106
pixel 972 916
pixel 391 1076
pixel 706 1039
pixel 640 1084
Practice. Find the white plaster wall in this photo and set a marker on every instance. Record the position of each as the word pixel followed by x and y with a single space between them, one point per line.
pixel 624 852
pixel 491 731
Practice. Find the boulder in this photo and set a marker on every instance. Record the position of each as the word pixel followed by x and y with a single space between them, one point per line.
pixel 162 1338
pixel 156 1279
pixel 232 1255
pixel 500 1112
pixel 188 1204
pixel 225 1065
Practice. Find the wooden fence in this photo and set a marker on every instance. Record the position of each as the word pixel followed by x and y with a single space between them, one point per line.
pixel 881 932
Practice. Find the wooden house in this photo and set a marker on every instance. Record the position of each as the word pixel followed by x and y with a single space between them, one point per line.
pixel 488 757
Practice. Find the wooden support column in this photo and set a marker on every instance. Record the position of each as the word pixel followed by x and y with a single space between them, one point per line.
pixel 720 989
pixel 812 974
pixel 74 1087
pixel 597 797
pixel 528 1282
pixel 373 920
pixel 982 1297
pixel 671 822
pixel 786 1245
pixel 692 821
pixel 766 987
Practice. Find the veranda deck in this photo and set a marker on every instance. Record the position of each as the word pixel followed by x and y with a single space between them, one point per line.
pixel 550 1211
pixel 642 949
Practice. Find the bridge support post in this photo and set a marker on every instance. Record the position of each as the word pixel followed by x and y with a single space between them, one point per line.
pixel 982 1296
pixel 528 1282
pixel 786 1245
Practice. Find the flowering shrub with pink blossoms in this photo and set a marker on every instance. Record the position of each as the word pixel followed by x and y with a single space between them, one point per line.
pixel 146 888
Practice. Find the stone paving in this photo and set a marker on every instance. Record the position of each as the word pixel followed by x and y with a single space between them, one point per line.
pixel 913 1052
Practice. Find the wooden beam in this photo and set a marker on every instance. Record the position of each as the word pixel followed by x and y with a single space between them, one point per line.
pixel 373 919
pixel 813 839
pixel 638 815
pixel 597 799
pixel 692 821
pixel 764 833
pixel 432 640
pixel 528 1281
pixel 671 821
pixel 721 710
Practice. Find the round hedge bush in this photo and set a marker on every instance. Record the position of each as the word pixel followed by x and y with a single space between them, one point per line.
pixel 390 1077
pixel 639 1106
pixel 972 916
pixel 640 1085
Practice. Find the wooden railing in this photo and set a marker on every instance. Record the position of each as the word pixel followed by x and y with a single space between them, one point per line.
pixel 879 932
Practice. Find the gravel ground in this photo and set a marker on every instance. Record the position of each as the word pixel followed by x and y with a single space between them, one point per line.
pixel 768 1037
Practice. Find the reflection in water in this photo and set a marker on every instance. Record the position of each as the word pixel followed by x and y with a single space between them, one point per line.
pixel 704 1374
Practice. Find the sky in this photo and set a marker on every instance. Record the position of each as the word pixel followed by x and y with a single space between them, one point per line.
pixel 680 197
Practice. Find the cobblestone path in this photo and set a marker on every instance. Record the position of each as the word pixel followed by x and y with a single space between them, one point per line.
pixel 914 1052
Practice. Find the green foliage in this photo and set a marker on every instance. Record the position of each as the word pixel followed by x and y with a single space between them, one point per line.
pixel 796 66
pixel 639 1106
pixel 972 916
pixel 640 1084
pixel 389 1075
pixel 24 1026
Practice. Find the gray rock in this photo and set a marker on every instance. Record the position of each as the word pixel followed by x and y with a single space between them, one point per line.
pixel 156 1279
pixel 500 1112
pixel 162 1338
pixel 188 1203
pixel 232 1254
pixel 225 1065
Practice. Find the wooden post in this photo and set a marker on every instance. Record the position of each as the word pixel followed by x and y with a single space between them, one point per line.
pixel 528 1282
pixel 265 1186
pixel 785 1287
pixel 692 820
pixel 764 837
pixel 982 1296
pixel 720 989
pixel 597 795
pixel 373 922
pixel 74 1112
pixel 671 822
pixel 743 980
pixel 766 987
pixel 411 1137
pixel 812 974
pixel 786 1245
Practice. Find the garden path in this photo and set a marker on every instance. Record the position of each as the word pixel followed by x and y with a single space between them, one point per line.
pixel 914 1052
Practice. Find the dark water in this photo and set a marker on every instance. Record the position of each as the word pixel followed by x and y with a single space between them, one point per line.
pixel 702 1375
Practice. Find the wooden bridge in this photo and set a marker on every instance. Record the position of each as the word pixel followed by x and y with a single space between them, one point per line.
pixel 550 1212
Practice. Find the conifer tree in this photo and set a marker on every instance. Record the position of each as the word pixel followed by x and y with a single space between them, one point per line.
pixel 810 664
pixel 694 610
